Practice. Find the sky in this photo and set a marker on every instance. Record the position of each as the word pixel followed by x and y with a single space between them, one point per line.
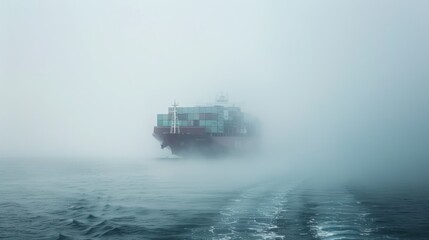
pixel 329 80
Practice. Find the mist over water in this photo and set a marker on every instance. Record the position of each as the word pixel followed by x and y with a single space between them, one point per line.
pixel 340 89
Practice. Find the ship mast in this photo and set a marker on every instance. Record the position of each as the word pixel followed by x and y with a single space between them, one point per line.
pixel 174 129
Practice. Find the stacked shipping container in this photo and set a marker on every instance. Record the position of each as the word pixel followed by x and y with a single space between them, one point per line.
pixel 217 120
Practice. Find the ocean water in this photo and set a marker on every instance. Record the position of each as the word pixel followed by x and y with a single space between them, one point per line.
pixel 180 199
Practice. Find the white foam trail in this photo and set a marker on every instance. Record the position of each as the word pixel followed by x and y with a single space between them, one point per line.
pixel 340 216
pixel 252 214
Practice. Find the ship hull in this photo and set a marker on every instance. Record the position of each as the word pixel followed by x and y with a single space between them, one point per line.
pixel 200 144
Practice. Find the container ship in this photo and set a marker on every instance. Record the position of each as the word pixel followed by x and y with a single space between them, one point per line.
pixel 215 130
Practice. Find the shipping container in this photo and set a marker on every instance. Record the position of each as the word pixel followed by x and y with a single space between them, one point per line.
pixel 214 119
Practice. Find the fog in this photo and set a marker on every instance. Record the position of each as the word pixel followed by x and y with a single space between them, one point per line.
pixel 341 87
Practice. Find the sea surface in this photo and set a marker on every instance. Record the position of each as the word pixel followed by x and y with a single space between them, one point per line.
pixel 190 199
